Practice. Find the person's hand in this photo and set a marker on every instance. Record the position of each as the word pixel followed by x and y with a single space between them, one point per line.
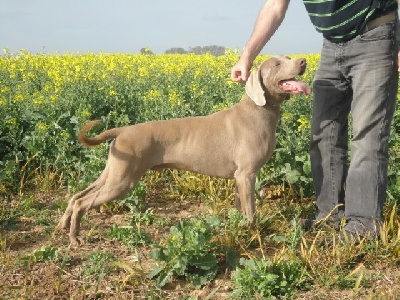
pixel 240 72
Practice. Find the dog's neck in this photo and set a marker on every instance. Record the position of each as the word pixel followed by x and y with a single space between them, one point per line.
pixel 270 103
pixel 269 106
pixel 268 96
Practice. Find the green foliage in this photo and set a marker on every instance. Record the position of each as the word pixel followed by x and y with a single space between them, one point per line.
pixel 266 279
pixel 131 236
pixel 290 162
pixel 190 252
pixel 394 158
pixel 44 100
pixel 49 254
pixel 134 235
pixel 234 229
pixel 97 263
pixel 26 207
pixel 134 200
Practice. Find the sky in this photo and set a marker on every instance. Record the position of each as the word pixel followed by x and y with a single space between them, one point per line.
pixel 126 26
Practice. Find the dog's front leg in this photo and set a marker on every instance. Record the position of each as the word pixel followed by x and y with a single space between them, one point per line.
pixel 245 191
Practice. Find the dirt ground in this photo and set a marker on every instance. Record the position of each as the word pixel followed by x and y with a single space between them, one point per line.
pixel 24 276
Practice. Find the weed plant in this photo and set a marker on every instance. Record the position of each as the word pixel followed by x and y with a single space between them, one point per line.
pixel 97 263
pixel 189 252
pixel 264 279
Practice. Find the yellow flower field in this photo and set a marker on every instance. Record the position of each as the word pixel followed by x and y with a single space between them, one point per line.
pixel 44 99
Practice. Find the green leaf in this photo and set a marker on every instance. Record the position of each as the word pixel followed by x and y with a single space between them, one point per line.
pixel 232 259
pixel 207 262
pixel 155 270
pixel 163 278
pixel 213 220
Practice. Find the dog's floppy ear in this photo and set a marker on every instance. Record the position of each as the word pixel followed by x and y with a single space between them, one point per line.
pixel 254 87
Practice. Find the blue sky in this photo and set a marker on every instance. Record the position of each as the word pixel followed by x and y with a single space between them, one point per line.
pixel 128 25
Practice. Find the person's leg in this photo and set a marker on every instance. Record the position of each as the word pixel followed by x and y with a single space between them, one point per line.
pixel 329 133
pixel 373 71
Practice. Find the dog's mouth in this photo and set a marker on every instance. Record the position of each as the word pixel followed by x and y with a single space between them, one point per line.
pixel 294 86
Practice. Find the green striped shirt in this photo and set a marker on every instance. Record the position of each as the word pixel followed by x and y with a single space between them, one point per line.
pixel 342 20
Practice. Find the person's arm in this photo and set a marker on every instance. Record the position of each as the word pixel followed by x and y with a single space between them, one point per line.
pixel 269 19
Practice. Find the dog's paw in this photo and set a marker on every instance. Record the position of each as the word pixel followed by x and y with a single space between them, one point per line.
pixel 64 224
pixel 61 227
pixel 75 242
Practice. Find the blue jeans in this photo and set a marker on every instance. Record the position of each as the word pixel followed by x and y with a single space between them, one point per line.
pixel 357 78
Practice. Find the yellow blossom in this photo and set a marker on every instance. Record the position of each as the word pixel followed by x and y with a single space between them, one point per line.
pixel 42 127
pixel 286 116
pixel 85 113
pixel 175 98
pixel 11 121
pixel 304 123
pixel 152 95
pixel 18 98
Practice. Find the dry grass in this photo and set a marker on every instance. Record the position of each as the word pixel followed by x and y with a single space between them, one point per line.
pixel 36 262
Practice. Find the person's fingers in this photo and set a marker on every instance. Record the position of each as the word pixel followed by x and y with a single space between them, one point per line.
pixel 239 74
pixel 245 75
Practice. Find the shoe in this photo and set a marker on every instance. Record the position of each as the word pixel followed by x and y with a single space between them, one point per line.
pixel 354 232
pixel 357 229
pixel 307 224
pixel 311 224
pixel 349 238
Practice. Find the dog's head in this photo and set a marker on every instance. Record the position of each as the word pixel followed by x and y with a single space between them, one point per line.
pixel 274 80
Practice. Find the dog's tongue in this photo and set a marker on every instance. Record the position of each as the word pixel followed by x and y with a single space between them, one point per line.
pixel 295 87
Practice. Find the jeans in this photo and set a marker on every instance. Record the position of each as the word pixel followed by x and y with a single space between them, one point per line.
pixel 357 78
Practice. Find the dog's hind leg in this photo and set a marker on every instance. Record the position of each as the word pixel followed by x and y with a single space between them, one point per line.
pixel 65 220
pixel 114 188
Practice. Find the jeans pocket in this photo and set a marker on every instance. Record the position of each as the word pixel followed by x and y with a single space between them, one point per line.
pixel 382 32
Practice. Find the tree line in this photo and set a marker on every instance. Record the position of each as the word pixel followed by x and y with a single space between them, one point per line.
pixel 213 49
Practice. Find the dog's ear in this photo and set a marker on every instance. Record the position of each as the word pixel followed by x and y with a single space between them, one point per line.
pixel 254 88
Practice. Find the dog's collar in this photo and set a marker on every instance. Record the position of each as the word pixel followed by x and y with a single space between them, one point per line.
pixel 270 103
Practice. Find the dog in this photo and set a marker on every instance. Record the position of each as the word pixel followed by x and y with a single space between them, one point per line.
pixel 233 143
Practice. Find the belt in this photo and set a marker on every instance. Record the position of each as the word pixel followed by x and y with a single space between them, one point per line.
pixel 380 21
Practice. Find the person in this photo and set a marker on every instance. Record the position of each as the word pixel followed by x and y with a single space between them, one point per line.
pixel 357 75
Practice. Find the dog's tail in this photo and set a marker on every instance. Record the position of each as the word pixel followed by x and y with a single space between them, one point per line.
pixel 98 139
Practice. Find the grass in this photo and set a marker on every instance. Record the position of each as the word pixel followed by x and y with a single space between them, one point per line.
pixel 278 258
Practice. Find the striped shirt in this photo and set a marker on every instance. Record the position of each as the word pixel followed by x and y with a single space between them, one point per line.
pixel 342 20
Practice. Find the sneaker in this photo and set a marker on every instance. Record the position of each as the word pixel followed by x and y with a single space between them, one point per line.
pixel 354 232
pixel 349 238
pixel 307 224
pixel 357 228
pixel 310 224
